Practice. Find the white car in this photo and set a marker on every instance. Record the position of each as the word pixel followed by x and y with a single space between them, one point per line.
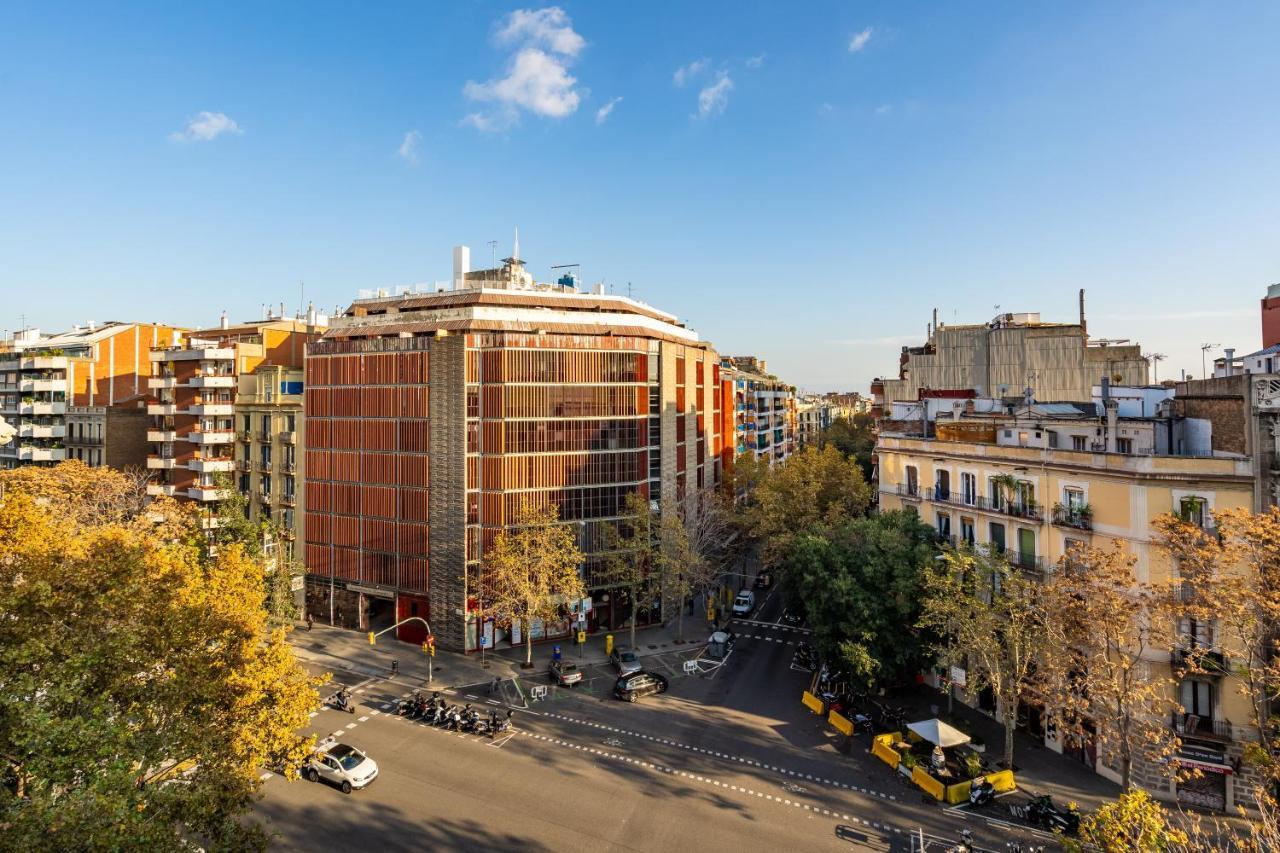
pixel 343 765
pixel 744 603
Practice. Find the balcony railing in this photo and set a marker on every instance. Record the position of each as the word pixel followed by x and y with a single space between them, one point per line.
pixel 1073 517
pixel 909 490
pixel 1200 660
pixel 1018 509
pixel 1193 725
pixel 264 437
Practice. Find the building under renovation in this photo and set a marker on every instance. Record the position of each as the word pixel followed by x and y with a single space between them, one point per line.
pixel 1010 354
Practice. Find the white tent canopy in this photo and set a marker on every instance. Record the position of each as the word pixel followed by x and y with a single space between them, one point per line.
pixel 938 732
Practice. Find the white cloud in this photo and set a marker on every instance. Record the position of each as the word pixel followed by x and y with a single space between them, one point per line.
pixel 549 27
pixel 825 109
pixel 687 72
pixel 206 126
pixel 883 109
pixel 408 149
pixel 602 114
pixel 755 61
pixel 537 79
pixel 859 40
pixel 713 99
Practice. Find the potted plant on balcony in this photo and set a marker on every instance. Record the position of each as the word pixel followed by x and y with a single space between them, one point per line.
pixel 1006 486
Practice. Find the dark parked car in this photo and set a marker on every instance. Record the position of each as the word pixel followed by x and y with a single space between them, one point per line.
pixel 564 672
pixel 792 617
pixel 764 580
pixel 632 687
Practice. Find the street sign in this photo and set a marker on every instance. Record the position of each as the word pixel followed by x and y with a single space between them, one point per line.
pixel 958 676
pixel 582 637
pixel 297 583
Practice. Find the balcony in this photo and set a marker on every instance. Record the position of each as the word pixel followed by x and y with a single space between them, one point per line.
pixel 161 435
pixel 157 383
pixel 1200 660
pixel 156 490
pixel 289 467
pixel 28 386
pixel 911 491
pixel 212 409
pixel 211 436
pixel 264 437
pixel 162 409
pixel 1030 564
pixel 41 454
pixel 210 464
pixel 196 354
pixel 44 362
pixel 289 436
pixel 212 380
pixel 206 493
pixel 1191 725
pixel 1075 517
pixel 31 407
pixel 209 522
pixel 161 463
pixel 288 499
pixel 42 431
pixel 263 465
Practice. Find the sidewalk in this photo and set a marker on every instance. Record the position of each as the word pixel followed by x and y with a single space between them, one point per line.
pixel 349 651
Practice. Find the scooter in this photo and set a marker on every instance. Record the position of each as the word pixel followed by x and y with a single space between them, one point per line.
pixel 409 706
pixel 981 792
pixel 1041 810
pixel 965 845
pixel 342 701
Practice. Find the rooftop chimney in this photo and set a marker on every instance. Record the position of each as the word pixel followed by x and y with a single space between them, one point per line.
pixel 311 314
pixel 1083 325
pixel 224 323
pixel 461 265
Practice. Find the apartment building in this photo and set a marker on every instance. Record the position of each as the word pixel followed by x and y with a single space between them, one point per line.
pixel 269 428
pixel 763 418
pixel 1033 480
pixel 196 383
pixel 1012 352
pixel 85 399
pixel 432 415
pixel 813 415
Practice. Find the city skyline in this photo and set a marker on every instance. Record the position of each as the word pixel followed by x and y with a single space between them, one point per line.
pixel 961 159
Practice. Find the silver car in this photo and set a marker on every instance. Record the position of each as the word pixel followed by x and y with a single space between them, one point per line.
pixel 625 661
pixel 343 765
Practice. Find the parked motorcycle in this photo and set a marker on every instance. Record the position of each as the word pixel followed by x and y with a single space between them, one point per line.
pixel 981 792
pixel 1042 811
pixel 499 725
pixel 409 706
pixel 965 845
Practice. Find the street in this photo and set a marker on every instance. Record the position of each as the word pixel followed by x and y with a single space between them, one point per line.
pixel 726 759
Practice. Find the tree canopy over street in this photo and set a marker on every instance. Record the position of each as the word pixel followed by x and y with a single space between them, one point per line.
pixel 126 652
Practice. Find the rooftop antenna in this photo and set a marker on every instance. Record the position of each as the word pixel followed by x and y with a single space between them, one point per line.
pixel 628 290
pixel 515 248
pixel 1204 348
pixel 493 251
pixel 1155 358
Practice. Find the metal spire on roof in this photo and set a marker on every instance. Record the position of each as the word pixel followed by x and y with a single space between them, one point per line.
pixel 515 249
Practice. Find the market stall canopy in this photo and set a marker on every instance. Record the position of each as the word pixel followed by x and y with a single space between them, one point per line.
pixel 938 732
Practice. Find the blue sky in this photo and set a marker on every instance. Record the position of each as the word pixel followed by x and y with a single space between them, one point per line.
pixel 825 175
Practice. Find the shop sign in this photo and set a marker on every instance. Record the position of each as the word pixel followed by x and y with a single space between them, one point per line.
pixel 959 676
pixel 1204 758
pixel 372 590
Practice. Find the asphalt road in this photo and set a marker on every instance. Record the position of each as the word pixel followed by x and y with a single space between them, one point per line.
pixel 728 760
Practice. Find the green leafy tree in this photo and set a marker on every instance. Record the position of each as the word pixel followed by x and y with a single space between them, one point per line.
pixel 858 584
pixel 128 656
pixel 533 569
pixel 814 488
pixel 260 539
pixel 990 612
pixel 854 437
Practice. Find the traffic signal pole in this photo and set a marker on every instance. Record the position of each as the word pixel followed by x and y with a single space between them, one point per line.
pixel 429 646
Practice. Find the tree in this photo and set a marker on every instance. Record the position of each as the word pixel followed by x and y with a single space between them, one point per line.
pixel 1133 822
pixel 1232 581
pixel 813 488
pixel 533 569
pixel 858 586
pixel 695 539
pixel 1103 625
pixel 260 539
pixel 854 437
pixel 127 650
pixel 989 612
pixel 631 555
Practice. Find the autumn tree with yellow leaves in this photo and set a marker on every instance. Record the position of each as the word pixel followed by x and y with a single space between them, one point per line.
pixel 141 694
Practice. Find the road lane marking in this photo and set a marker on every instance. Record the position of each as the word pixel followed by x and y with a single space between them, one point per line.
pixel 364 719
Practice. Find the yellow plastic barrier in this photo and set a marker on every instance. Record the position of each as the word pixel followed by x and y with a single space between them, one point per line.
pixel 882 748
pixel 959 792
pixel 926 783
pixel 813 703
pixel 1002 781
pixel 841 724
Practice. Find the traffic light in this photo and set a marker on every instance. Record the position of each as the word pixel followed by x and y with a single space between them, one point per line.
pixel 373 639
pixel 430 645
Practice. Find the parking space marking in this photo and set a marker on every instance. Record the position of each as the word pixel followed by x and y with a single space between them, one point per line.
pixel 363 719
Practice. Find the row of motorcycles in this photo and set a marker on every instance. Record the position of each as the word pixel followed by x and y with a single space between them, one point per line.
pixel 437 712
pixel 1043 812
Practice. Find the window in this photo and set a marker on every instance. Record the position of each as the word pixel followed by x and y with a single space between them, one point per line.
pixel 290 421
pixel 1192 508
pixel 1078 442
pixel 997 537
pixel 969 489
pixel 1197 699
pixel 246 423
pixel 1073 500
pixel 913 480
pixel 995 494
pixel 266 424
pixel 942 485
pixel 966 530
pixel 1124 445
pixel 1196 633
pixel 944 525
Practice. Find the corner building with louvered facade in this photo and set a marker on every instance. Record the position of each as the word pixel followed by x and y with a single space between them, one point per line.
pixel 432 416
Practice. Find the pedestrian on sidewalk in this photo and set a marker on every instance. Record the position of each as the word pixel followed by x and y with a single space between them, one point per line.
pixel 495 685
pixel 310 621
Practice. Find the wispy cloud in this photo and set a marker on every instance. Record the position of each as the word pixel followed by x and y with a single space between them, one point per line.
pixel 755 61
pixel 714 98
pixel 889 341
pixel 685 73
pixel 603 113
pixel 859 40
pixel 408 149
pixel 206 126
pixel 825 109
pixel 537 80
pixel 883 109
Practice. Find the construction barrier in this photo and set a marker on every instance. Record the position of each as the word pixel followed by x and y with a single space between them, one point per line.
pixel 1002 782
pixel 882 748
pixel 927 783
pixel 813 703
pixel 959 792
pixel 841 724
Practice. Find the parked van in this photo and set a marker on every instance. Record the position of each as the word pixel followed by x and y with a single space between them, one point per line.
pixel 744 603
